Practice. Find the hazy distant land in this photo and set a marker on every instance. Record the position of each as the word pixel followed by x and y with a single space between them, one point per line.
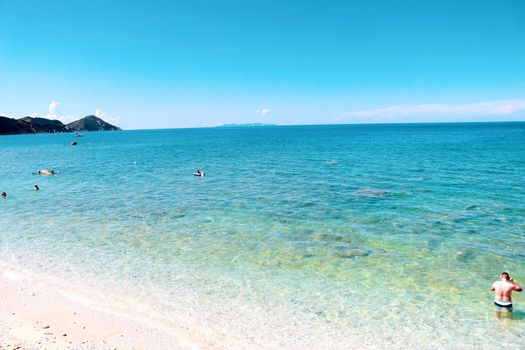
pixel 248 125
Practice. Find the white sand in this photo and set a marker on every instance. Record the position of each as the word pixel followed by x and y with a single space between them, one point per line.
pixel 38 312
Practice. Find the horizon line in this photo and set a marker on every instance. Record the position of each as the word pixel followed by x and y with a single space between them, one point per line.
pixel 247 125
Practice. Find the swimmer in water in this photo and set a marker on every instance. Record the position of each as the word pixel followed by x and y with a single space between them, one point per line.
pixel 46 172
pixel 4 194
pixel 36 187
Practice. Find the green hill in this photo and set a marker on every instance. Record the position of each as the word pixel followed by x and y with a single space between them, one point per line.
pixel 9 126
pixel 43 125
pixel 91 123
pixel 29 125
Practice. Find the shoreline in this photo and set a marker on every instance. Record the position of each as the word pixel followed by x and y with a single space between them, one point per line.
pixel 42 312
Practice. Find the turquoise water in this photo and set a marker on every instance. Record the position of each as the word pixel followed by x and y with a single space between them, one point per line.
pixel 298 237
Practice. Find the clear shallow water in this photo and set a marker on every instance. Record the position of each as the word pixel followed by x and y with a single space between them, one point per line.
pixel 313 236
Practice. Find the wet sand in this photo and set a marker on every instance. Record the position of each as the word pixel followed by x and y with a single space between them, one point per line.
pixel 43 313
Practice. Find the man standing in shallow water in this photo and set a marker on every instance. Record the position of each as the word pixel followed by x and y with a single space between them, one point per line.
pixel 503 292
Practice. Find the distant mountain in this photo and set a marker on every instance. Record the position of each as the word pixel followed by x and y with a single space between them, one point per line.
pixel 29 125
pixel 43 125
pixel 249 125
pixel 10 126
pixel 91 123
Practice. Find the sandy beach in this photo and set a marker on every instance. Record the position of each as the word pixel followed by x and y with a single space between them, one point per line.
pixel 39 312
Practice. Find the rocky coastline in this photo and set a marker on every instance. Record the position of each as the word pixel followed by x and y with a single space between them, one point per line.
pixel 29 125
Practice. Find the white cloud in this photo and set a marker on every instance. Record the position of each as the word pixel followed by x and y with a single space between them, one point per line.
pixel 262 111
pixel 55 113
pixel 113 120
pixel 53 106
pixel 99 113
pixel 418 112
pixel 64 118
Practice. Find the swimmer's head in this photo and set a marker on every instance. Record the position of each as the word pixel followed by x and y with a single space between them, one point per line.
pixel 505 276
pixel 4 194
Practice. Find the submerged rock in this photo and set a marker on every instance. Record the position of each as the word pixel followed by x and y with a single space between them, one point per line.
pixel 466 255
pixel 431 244
pixel 353 252
pixel 327 237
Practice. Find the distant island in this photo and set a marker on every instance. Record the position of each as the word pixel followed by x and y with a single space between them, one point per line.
pixel 29 125
pixel 244 125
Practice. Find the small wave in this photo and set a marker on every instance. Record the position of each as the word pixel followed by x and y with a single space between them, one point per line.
pixel 370 192
pixel 416 179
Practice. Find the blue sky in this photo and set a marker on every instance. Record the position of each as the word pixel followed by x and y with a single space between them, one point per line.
pixel 159 64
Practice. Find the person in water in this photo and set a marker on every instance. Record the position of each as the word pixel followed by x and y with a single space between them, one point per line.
pixel 503 292
pixel 199 173
pixel 46 172
pixel 36 187
pixel 4 194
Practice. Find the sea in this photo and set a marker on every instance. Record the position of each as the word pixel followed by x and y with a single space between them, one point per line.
pixel 297 237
